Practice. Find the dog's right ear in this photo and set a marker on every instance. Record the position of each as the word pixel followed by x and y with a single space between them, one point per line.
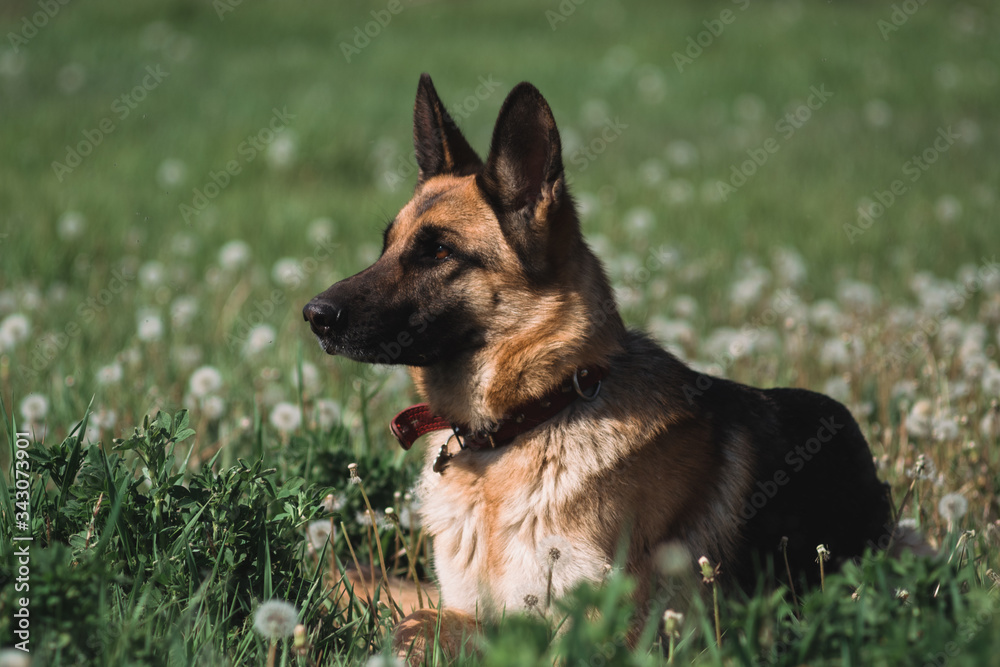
pixel 439 144
pixel 524 167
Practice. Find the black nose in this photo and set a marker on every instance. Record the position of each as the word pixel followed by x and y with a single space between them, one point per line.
pixel 323 316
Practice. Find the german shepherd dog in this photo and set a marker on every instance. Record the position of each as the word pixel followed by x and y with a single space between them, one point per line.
pixel 555 428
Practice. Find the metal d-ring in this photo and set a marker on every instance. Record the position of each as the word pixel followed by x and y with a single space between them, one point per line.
pixel 579 392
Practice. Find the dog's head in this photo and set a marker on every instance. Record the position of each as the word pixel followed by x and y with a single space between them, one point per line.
pixel 474 255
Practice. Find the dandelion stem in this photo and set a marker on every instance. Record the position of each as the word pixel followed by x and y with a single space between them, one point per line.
pixel 381 555
pixel 357 566
pixel 411 564
pixel 823 554
pixel 718 623
pixel 788 569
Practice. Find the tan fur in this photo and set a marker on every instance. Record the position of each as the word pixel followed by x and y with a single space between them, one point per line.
pixel 487 266
pixel 576 481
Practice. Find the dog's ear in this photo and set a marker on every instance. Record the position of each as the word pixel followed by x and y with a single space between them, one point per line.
pixel 525 165
pixel 439 144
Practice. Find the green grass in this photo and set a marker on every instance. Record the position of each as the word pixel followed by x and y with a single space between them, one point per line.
pixel 172 594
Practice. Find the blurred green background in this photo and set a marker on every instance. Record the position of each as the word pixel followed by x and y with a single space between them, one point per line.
pixel 684 126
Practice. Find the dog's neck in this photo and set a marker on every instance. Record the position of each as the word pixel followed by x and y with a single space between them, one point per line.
pixel 521 365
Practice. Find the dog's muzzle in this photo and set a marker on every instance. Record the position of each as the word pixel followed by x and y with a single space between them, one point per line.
pixel 324 318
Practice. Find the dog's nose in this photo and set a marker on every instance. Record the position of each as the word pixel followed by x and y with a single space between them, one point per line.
pixel 323 316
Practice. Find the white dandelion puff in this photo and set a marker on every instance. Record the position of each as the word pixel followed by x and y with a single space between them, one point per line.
pixel 944 428
pixel 171 173
pixel 259 339
pixel 286 417
pixel 920 420
pixel 234 255
pixel 213 407
pixel 152 274
pixel 104 419
pixel 204 381
pixel 328 413
pixel 34 407
pixel 320 230
pixel 320 534
pixel 281 152
pixel 183 310
pixel 287 272
pixel 310 379
pixel 71 225
pixel 14 330
pixel 276 619
pixel 953 507
pixel 150 327
pixel 991 381
pixel 110 374
pixel 947 209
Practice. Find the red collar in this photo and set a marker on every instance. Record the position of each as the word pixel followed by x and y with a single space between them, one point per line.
pixel 418 420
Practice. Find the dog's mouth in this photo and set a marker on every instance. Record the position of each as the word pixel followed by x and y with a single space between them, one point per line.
pixel 405 336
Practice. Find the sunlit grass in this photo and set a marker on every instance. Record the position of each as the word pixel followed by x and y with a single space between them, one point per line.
pixel 115 297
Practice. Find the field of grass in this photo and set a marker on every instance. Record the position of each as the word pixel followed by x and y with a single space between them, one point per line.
pixel 785 193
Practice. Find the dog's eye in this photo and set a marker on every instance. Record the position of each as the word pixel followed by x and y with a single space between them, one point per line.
pixel 442 252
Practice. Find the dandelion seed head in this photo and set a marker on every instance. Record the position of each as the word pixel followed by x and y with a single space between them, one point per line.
pixel 150 327
pixel 71 225
pixel 110 374
pixel 672 622
pixel 281 152
pixel 204 381
pixel 310 377
pixel 171 173
pixel 259 339
pixel 953 507
pixel 554 553
pixel 34 408
pixel 285 417
pixel 213 407
pixel 152 274
pixel 320 230
pixel 276 619
pixel 320 533
pixel 183 310
pixel 14 330
pixel 288 272
pixel 234 255
pixel 945 429
pixel 920 419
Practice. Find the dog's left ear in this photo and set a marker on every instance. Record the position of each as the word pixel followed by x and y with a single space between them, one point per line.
pixel 524 167
pixel 440 146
